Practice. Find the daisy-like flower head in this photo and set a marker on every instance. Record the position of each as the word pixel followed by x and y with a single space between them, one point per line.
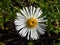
pixel 28 22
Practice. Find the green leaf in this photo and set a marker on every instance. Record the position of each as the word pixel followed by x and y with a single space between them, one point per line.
pixel 57 43
pixel 30 43
pixel 2 43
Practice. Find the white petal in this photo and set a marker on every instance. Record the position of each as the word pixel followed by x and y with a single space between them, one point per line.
pixel 39 13
pixel 42 26
pixel 34 34
pixel 40 30
pixel 19 22
pixel 19 27
pixel 34 10
pixel 28 36
pixel 41 20
pixel 43 17
pixel 27 11
pixel 30 11
pixel 36 13
pixel 24 13
pixel 23 32
pixel 20 16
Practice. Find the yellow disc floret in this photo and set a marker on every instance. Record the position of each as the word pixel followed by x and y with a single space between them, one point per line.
pixel 32 22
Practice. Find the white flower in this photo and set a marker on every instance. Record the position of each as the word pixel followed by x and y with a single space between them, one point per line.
pixel 29 24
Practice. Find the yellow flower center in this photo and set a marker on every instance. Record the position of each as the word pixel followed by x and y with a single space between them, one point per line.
pixel 32 22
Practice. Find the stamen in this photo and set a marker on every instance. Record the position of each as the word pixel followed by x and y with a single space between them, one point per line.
pixel 32 22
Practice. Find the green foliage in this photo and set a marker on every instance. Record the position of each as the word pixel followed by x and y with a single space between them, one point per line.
pixel 57 43
pixel 51 9
pixel 2 43
pixel 30 43
pixel 7 12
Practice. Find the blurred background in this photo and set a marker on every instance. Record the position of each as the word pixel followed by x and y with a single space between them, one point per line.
pixel 8 33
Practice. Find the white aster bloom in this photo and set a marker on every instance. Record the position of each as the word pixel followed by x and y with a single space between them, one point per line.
pixel 28 23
